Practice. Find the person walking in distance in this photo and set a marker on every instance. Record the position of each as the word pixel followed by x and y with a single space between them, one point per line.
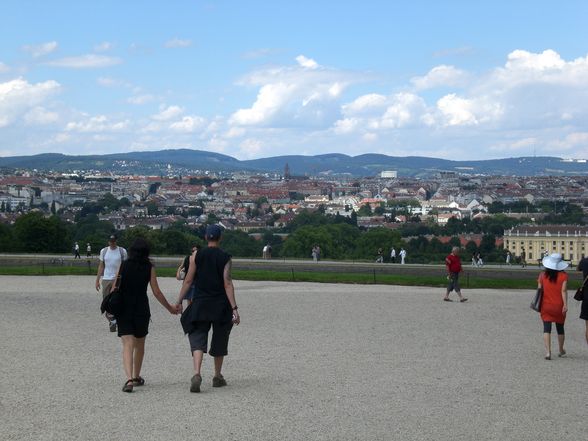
pixel 111 258
pixel 77 251
pixel 392 255
pixel 583 266
pixel 214 305
pixel 402 255
pixel 183 270
pixel 523 258
pixel 508 257
pixel 380 256
pixel 88 250
pixel 453 265
pixel 554 305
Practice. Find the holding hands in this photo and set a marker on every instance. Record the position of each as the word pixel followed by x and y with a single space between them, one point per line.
pixel 179 308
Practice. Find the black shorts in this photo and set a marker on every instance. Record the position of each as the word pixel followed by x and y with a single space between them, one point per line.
pixel 137 325
pixel 220 337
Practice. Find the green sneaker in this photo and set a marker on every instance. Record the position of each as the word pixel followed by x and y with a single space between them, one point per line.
pixel 219 381
pixel 195 383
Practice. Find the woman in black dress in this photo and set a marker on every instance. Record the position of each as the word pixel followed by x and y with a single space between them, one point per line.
pixel 133 324
pixel 583 266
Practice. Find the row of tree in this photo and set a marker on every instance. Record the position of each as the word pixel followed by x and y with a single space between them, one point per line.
pixel 337 237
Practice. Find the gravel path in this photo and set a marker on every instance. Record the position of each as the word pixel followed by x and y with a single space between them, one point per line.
pixel 308 362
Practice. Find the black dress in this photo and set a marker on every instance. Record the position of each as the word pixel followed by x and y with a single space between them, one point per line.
pixel 583 266
pixel 135 276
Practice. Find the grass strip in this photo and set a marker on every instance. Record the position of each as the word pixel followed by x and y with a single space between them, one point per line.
pixel 380 279
pixel 304 276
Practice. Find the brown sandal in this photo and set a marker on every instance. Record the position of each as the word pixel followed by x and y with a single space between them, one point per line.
pixel 139 381
pixel 128 387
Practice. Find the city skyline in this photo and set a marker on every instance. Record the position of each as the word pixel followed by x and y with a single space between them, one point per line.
pixel 453 80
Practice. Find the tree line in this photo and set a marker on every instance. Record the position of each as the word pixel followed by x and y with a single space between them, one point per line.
pixel 339 237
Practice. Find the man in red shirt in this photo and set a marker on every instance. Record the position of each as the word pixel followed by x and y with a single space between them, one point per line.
pixel 453 264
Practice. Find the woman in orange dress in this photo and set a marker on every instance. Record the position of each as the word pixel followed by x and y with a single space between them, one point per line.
pixel 554 305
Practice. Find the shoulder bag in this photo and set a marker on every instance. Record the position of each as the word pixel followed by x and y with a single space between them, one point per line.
pixel 113 302
pixel 579 296
pixel 536 303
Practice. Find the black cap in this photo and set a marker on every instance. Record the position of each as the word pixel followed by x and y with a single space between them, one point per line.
pixel 213 232
pixel 112 238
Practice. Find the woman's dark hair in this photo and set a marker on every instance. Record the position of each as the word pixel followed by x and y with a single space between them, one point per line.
pixel 551 274
pixel 139 250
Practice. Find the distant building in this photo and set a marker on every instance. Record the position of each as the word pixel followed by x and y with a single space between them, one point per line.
pixel 389 174
pixel 569 240
pixel 287 172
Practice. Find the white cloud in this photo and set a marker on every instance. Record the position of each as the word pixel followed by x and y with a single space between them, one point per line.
pixel 250 148
pixel 365 104
pixel 188 124
pixel 38 50
pixel 235 132
pixel 404 109
pixel 441 76
pixel 270 100
pixel 95 124
pixel 40 116
pixel 457 111
pixel 19 96
pixel 304 95
pixel 347 125
pixel 88 61
pixel 168 113
pixel 178 42
pixel 140 99
pixel 308 63
pixel 370 137
pixel 112 82
pixel 3 68
pixel 103 47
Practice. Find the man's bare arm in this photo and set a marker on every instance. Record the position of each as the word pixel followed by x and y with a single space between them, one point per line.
pixel 230 290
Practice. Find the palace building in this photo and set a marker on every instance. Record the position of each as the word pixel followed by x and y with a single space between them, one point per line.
pixel 569 240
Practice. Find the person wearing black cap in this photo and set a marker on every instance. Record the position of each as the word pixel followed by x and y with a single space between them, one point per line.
pixel 213 305
pixel 111 258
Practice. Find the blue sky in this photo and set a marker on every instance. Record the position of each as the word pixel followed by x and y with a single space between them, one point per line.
pixel 451 79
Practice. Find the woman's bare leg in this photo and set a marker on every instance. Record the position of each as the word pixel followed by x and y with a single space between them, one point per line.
pixel 547 342
pixel 128 343
pixel 138 354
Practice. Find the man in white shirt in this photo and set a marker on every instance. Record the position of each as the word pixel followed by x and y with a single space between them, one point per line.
pixel 402 255
pixel 111 258
pixel 393 255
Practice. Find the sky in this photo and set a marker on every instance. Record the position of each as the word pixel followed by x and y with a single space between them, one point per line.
pixel 454 79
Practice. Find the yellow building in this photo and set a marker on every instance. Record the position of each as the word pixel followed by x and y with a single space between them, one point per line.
pixel 568 240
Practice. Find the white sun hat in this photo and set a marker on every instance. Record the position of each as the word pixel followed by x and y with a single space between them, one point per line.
pixel 555 262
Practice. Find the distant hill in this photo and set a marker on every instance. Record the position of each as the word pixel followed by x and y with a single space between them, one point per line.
pixel 187 161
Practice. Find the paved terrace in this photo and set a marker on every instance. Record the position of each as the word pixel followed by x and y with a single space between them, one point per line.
pixel 309 362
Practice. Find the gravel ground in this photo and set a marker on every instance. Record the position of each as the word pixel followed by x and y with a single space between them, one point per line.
pixel 308 362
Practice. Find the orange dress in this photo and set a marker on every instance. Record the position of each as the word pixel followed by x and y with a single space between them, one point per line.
pixel 552 304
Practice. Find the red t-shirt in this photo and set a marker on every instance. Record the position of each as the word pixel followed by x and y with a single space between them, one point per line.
pixel 453 263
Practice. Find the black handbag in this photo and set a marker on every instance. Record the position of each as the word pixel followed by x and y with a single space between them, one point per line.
pixel 579 296
pixel 536 303
pixel 113 302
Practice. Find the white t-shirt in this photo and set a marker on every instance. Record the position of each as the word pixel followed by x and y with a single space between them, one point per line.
pixel 112 260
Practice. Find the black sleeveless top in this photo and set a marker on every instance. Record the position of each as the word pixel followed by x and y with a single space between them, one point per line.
pixel 135 276
pixel 210 301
